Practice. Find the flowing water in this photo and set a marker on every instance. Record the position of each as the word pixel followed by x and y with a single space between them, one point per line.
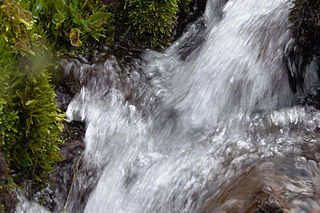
pixel 206 126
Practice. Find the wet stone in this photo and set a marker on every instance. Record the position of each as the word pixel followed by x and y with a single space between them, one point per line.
pixel 61 179
pixel 8 200
pixel 70 149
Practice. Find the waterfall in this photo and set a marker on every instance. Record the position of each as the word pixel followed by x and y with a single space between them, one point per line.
pixel 204 126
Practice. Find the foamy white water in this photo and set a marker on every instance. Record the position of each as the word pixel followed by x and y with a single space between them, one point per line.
pixel 200 133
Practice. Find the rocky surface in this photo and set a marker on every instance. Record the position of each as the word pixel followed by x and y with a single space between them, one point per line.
pixel 66 87
pixel 61 180
pixel 189 13
pixel 8 199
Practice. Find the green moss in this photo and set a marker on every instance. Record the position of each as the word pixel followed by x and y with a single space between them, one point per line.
pixel 71 25
pixel 32 148
pixel 29 118
pixel 14 26
pixel 305 18
pixel 76 25
pixel 152 20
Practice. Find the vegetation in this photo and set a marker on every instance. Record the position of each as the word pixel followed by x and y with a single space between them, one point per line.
pixel 30 122
pixel 305 18
pixel 29 118
pixel 76 25
pixel 152 21
pixel 71 23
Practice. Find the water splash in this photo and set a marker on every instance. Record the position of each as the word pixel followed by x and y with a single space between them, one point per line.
pixel 207 130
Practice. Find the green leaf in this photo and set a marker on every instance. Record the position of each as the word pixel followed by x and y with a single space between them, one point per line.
pixel 58 18
pixel 97 19
pixel 36 9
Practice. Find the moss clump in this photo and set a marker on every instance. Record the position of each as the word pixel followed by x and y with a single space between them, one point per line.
pixel 78 25
pixel 29 119
pixel 152 20
pixel 305 18
pixel 30 145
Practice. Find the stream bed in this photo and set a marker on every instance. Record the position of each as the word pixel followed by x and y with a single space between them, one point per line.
pixel 208 125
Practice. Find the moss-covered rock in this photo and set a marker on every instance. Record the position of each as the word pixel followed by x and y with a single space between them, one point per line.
pixel 76 26
pixel 152 21
pixel 30 122
pixel 305 18
pixel 305 28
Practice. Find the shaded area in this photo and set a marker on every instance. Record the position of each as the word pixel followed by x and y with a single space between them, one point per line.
pixel 8 199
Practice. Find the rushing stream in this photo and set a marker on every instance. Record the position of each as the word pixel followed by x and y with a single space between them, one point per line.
pixel 208 125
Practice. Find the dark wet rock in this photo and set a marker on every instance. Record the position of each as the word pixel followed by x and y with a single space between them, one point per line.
pixel 187 14
pixel 311 151
pixel 304 76
pixel 313 96
pixel 64 97
pixel 80 193
pixel 194 40
pixel 66 88
pixel 54 194
pixel 70 149
pixel 61 179
pixel 8 199
pixel 266 204
pixel 74 130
